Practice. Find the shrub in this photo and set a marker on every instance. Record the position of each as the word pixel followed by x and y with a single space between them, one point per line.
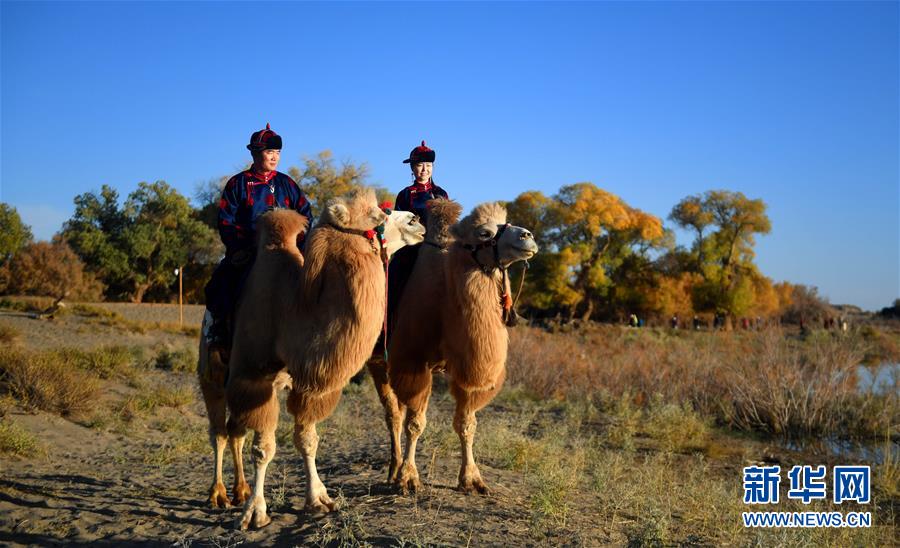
pixel 183 359
pixel 52 269
pixel 9 335
pixel 760 381
pixel 15 440
pixel 43 381
pixel 106 362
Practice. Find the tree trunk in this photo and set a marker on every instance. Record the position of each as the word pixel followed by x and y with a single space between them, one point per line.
pixel 588 310
pixel 139 290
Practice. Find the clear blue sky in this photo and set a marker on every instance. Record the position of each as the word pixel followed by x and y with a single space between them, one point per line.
pixel 794 103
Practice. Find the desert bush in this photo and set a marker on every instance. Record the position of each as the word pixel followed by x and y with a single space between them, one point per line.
pixel 760 381
pixel 182 359
pixel 9 335
pixel 41 380
pixel 16 440
pixel 106 362
pixel 51 269
pixel 26 304
pixel 151 397
pixel 676 427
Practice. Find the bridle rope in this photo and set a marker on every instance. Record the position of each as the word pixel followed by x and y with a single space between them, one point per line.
pixel 508 305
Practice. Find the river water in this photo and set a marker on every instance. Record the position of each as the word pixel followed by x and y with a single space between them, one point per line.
pixel 878 379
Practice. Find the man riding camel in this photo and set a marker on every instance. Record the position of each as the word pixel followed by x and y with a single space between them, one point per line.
pixel 245 197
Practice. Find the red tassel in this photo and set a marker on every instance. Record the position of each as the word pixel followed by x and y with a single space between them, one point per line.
pixel 267 126
pixel 506 300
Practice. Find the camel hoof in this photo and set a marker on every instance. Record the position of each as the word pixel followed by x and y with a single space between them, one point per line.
pixel 218 497
pixel 475 485
pixel 320 505
pixel 241 493
pixel 393 473
pixel 408 480
pixel 254 515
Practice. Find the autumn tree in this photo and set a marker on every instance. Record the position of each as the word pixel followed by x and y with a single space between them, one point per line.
pixel 52 269
pixel 806 305
pixel 725 224
pixel 589 237
pixel 136 247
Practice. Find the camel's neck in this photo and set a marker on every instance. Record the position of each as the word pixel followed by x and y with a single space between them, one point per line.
pixel 476 293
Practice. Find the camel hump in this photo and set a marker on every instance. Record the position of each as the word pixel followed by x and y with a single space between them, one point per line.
pixel 280 228
pixel 442 214
pixel 358 209
pixel 486 213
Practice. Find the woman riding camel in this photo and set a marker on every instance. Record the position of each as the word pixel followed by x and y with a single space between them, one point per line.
pixel 413 198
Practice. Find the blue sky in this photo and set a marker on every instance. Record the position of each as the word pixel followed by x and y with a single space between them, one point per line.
pixel 794 103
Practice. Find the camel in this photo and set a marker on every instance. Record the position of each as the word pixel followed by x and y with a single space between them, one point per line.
pixel 462 276
pixel 281 266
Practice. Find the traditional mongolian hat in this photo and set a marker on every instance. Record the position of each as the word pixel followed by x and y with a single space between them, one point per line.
pixel 420 154
pixel 264 139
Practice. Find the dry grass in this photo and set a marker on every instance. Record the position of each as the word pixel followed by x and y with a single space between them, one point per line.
pixel 14 440
pixel 179 359
pixel 41 381
pixel 766 381
pixel 9 335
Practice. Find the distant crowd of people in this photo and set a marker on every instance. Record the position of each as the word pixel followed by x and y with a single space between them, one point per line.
pixel 719 322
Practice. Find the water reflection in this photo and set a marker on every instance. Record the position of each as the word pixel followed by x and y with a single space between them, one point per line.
pixel 869 453
pixel 878 379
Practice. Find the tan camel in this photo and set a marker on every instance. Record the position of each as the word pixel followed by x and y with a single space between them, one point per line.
pixel 427 296
pixel 465 283
pixel 318 322
pixel 277 233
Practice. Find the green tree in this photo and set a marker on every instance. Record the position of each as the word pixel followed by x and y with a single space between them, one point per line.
pixel 136 248
pixel 321 179
pixel 724 256
pixel 14 234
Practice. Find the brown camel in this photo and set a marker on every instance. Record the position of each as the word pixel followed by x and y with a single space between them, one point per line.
pixel 461 276
pixel 282 263
pixel 318 321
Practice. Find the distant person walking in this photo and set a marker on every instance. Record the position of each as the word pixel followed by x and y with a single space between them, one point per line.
pixel 245 197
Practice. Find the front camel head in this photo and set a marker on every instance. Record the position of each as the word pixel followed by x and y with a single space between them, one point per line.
pixel 493 241
pixel 401 229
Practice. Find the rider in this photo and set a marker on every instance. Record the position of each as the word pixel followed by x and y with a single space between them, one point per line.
pixel 415 196
pixel 412 198
pixel 245 197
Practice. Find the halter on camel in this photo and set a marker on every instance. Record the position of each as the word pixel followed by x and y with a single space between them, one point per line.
pixel 509 315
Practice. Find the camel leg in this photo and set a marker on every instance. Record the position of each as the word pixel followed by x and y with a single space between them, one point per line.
pixel 307 441
pixel 263 418
pixel 210 370
pixel 465 423
pixel 215 410
pixel 417 405
pixel 241 489
pixel 218 496
pixel 394 413
pixel 255 508
pixel 308 409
